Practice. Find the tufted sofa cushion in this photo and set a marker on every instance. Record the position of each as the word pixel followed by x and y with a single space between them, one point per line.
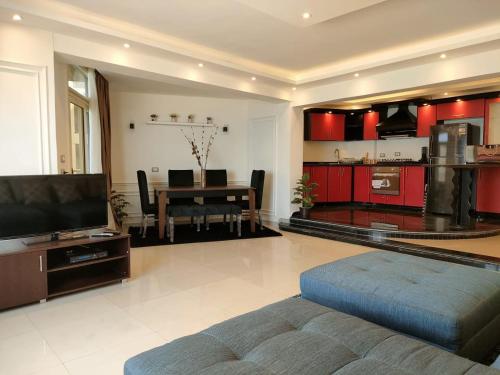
pixel 454 306
pixel 296 336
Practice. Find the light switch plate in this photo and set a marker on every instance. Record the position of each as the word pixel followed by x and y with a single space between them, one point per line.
pixel 397 153
pixel 155 169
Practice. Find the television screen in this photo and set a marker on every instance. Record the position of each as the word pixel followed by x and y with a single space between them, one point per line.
pixel 36 205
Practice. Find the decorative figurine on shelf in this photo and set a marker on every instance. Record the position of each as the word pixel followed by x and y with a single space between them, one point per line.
pixel 174 117
pixel 154 117
pixel 303 194
pixel 191 118
pixel 209 120
pixel 200 147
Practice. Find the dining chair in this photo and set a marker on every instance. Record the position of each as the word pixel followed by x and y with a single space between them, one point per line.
pixel 148 210
pixel 257 182
pixel 215 177
pixel 181 178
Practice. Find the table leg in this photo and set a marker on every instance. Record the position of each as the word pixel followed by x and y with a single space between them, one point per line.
pixel 251 206
pixel 162 203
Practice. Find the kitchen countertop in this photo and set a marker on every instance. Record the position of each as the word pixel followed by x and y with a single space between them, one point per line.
pixel 405 164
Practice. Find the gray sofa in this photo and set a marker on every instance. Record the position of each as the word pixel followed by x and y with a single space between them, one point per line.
pixel 456 307
pixel 297 336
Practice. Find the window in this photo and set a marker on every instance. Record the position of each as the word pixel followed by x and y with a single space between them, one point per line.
pixel 78 119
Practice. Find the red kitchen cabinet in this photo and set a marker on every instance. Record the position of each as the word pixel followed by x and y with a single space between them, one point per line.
pixel 488 188
pixel 362 184
pixel 426 117
pixel 319 174
pixel 487 118
pixel 414 186
pixel 460 109
pixel 306 170
pixel 370 121
pixel 339 184
pixel 327 126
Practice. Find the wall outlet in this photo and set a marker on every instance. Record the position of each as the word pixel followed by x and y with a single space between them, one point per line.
pixel 225 129
pixel 132 126
pixel 155 169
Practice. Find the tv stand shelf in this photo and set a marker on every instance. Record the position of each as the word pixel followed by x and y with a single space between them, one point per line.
pixel 31 273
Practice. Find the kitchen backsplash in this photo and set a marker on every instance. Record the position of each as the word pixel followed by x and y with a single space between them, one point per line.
pixel 410 148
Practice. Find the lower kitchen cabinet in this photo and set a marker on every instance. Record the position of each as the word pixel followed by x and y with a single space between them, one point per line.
pixel 488 186
pixel 362 184
pixel 319 175
pixel 339 184
pixel 23 278
pixel 414 190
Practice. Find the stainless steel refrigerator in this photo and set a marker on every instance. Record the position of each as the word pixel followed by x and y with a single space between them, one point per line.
pixel 447 146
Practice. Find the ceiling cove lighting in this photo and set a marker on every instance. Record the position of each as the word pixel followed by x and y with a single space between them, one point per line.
pixel 306 15
pixel 200 65
pixel 356 75
pixel 17 17
pixel 126 45
pixel 254 78
pixel 442 56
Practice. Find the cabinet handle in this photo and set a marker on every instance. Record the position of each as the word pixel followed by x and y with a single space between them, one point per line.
pixel 461 114
pixel 41 263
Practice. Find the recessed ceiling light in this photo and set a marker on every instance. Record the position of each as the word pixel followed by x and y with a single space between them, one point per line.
pixel 200 65
pixel 330 112
pixel 459 100
pixel 306 15
pixel 17 17
pixel 126 45
pixel 356 75
pixel 370 111
pixel 352 113
pixel 254 78
pixel 294 88
pixel 443 55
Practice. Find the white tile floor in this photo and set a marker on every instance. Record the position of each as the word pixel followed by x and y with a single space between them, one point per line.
pixel 174 291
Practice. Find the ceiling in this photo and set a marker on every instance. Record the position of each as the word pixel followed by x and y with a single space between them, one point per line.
pixel 273 33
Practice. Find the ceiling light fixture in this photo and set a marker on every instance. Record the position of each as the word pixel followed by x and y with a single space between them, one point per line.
pixel 352 113
pixel 294 88
pixel 356 75
pixel 443 56
pixel 426 104
pixel 200 65
pixel 126 45
pixel 306 15
pixel 459 100
pixel 445 93
pixel 370 111
pixel 17 17
pixel 254 78
pixel 330 112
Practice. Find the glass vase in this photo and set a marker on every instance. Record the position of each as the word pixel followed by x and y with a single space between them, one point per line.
pixel 203 178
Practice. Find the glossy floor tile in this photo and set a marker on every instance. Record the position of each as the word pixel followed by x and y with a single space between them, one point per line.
pixel 174 291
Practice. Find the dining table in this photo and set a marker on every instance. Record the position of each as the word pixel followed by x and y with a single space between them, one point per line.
pixel 164 193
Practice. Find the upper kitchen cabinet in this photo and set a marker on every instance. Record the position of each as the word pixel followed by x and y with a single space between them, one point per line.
pixel 325 126
pixel 460 109
pixel 354 126
pixel 370 121
pixel 426 117
pixel 492 121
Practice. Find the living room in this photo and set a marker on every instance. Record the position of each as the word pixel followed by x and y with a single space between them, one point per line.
pixel 172 194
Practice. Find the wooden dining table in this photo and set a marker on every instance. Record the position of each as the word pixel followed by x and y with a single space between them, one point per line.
pixel 163 193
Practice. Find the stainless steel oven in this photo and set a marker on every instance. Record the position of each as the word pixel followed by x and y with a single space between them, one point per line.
pixel 385 180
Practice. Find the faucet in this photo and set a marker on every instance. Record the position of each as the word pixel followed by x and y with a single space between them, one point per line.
pixel 337 154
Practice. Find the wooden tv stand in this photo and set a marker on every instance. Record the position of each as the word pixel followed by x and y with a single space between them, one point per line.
pixel 32 273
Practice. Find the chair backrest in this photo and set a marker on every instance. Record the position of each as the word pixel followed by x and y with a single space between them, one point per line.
pixel 216 177
pixel 143 189
pixel 257 182
pixel 180 177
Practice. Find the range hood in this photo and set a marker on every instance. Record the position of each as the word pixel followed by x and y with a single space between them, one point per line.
pixel 402 124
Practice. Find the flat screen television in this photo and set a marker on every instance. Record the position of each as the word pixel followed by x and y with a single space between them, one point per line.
pixel 48 204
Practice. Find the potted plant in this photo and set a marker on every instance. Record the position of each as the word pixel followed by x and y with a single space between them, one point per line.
pixel 303 194
pixel 174 117
pixel 191 118
pixel 118 205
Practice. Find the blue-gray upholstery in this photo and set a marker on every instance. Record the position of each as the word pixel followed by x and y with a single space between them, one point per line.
pixel 295 337
pixel 454 306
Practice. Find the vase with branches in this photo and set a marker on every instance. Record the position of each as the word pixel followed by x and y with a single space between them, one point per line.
pixel 201 147
pixel 303 194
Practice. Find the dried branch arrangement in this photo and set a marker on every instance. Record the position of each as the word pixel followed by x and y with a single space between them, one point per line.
pixel 200 148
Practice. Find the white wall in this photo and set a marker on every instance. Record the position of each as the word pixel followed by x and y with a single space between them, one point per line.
pixel 27 112
pixel 62 117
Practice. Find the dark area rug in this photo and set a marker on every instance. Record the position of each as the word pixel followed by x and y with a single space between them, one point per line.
pixel 185 233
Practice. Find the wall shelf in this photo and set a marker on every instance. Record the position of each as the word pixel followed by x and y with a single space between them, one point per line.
pixel 182 124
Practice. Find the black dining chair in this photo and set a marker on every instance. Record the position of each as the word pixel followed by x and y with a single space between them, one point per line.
pixel 257 182
pixel 148 210
pixel 180 178
pixel 216 177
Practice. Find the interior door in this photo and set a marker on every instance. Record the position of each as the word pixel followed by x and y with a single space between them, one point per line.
pixel 78 133
pixel 262 155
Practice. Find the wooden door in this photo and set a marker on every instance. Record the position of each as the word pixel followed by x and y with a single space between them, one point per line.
pixel 362 184
pixel 23 279
pixel 414 186
pixel 426 117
